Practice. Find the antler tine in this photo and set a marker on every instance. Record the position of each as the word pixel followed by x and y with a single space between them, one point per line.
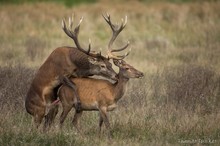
pixel 118 57
pixel 80 21
pixel 89 48
pixel 70 22
pixel 76 30
pixel 108 20
pixel 74 34
pixel 125 22
pixel 121 49
pixel 116 29
pixel 123 56
pixel 65 29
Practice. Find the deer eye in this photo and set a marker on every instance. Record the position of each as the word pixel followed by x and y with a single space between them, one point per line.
pixel 127 68
pixel 102 66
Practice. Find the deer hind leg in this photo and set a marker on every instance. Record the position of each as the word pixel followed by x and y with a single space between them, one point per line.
pixel 103 113
pixel 37 120
pixel 39 115
pixel 49 118
pixel 77 102
pixel 52 109
pixel 76 121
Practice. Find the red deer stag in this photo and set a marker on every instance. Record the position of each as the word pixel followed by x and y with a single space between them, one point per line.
pixel 62 63
pixel 97 94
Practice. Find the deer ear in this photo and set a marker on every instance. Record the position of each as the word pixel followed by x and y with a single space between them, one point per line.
pixel 92 60
pixel 123 62
pixel 117 62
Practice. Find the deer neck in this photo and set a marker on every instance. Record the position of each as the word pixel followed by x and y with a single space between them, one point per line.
pixel 83 73
pixel 80 60
pixel 82 63
pixel 120 86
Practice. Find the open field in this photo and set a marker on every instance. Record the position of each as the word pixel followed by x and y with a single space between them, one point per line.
pixel 176 45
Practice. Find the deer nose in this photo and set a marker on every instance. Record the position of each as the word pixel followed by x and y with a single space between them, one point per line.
pixel 140 75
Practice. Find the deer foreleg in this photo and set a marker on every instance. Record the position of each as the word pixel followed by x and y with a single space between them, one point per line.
pixel 66 110
pixel 100 124
pixel 76 121
pixel 103 113
pixel 77 102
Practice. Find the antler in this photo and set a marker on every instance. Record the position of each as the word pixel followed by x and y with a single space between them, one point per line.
pixel 116 29
pixel 74 35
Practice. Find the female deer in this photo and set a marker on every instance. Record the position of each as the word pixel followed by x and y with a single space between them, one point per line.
pixel 98 95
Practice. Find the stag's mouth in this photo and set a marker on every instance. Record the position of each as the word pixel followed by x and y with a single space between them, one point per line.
pixel 111 77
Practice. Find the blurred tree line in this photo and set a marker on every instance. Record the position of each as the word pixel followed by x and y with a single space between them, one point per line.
pixel 76 2
pixel 66 2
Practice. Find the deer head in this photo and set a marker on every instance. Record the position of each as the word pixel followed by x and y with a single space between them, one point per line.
pixel 126 70
pixel 98 64
pixel 94 63
pixel 101 66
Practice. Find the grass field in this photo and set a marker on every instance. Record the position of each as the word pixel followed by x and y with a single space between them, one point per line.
pixel 175 44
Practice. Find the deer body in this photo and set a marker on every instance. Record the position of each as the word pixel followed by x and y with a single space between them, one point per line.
pixel 47 78
pixel 94 93
pixel 62 63
pixel 99 95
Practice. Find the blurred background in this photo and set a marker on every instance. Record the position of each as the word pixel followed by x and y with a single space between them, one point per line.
pixel 176 43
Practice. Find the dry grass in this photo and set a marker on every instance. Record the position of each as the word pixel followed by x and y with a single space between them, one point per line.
pixel 177 46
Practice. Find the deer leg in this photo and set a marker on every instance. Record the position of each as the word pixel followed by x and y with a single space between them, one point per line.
pixel 100 124
pixel 103 113
pixel 38 119
pixel 66 110
pixel 49 118
pixel 52 109
pixel 38 115
pixel 76 121
pixel 77 101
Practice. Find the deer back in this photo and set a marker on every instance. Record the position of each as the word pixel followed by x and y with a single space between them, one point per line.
pixel 92 92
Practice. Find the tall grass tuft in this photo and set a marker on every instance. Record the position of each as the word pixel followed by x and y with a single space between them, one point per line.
pixel 190 86
pixel 34 47
pixel 15 81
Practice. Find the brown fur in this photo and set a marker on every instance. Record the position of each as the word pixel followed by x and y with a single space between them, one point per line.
pixel 96 94
pixel 62 62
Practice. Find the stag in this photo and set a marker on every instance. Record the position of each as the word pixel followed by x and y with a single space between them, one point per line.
pixel 97 94
pixel 61 64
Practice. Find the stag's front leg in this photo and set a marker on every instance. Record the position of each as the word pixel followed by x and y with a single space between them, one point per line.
pixel 77 102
